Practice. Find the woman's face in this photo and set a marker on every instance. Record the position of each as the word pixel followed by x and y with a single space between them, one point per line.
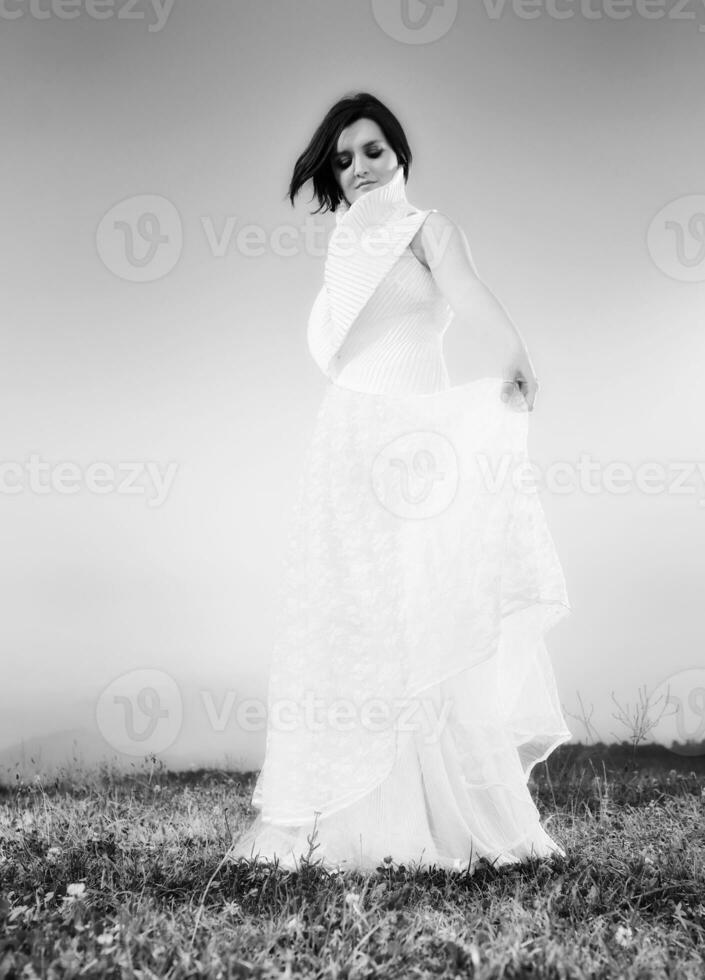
pixel 362 154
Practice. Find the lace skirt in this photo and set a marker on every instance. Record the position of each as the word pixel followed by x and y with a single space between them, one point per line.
pixel 411 691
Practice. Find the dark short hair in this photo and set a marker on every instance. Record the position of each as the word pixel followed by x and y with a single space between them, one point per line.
pixel 316 161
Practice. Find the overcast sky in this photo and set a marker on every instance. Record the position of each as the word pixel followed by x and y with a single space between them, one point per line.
pixel 566 140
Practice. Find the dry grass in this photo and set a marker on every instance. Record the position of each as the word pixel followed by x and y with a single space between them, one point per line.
pixel 121 877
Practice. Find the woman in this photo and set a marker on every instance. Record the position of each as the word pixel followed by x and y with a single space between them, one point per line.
pixel 410 692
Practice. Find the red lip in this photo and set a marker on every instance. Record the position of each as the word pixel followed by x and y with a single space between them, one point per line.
pixel 364 183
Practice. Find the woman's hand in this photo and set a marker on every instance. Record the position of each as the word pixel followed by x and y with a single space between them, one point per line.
pixel 521 390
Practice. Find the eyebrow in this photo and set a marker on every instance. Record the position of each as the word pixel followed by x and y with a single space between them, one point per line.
pixel 339 153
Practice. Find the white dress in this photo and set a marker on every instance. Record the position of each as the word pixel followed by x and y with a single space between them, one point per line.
pixel 411 691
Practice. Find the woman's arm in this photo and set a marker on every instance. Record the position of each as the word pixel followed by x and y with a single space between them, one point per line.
pixel 447 254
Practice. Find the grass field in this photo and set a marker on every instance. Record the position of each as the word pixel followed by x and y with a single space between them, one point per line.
pixel 127 876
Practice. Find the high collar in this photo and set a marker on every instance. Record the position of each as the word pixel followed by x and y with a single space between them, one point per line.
pixel 357 261
pixel 376 205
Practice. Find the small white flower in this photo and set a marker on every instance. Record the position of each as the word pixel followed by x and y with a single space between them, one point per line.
pixel 53 854
pixel 474 954
pixel 623 935
pixel 76 890
pixel 352 900
pixel 105 939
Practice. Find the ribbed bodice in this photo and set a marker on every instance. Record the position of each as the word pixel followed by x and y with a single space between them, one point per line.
pixel 377 324
pixel 396 344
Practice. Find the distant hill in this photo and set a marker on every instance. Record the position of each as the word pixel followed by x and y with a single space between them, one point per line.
pixel 84 749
